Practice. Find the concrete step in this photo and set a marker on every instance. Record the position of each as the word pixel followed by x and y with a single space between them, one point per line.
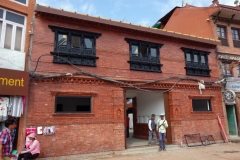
pixel 128 151
pixel 141 149
pixel 234 139
pixel 102 155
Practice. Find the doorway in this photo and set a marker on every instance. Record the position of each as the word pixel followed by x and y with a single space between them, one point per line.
pixel 232 122
pixel 139 108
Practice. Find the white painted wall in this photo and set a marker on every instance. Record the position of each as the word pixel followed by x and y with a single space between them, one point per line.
pixel 10 59
pixel 147 104
pixel 130 115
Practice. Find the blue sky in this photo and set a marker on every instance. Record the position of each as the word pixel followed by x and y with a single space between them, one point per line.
pixel 144 12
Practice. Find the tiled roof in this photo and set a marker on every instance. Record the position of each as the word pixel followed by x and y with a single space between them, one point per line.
pixel 127 25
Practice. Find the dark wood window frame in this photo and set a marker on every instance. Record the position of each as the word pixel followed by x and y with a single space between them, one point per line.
pixel 196 62
pixel 235 37
pixel 222 35
pixel 197 105
pixel 146 57
pixel 65 52
pixel 60 106
pixel 225 70
pixel 238 69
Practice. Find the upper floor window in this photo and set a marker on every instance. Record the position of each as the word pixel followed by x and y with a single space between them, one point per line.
pixel 144 56
pixel 238 70
pixel 25 2
pixel 226 69
pixel 235 37
pixel 196 62
pixel 12 30
pixel 221 30
pixel 74 46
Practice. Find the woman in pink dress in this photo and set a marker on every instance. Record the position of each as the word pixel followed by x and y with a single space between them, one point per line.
pixel 32 151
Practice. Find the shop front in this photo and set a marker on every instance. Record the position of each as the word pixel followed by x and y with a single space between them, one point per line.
pixel 231 97
pixel 13 93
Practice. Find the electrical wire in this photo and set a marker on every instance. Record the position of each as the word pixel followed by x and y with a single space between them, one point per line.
pixel 33 75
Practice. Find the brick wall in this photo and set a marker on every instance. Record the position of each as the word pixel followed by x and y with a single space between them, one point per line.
pixel 232 51
pixel 104 130
pixel 226 49
pixel 27 11
pixel 111 48
pixel 185 121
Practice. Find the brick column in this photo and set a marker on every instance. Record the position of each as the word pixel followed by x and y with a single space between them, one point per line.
pixel 119 114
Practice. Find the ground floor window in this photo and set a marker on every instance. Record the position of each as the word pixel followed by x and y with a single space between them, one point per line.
pixel 73 104
pixel 201 105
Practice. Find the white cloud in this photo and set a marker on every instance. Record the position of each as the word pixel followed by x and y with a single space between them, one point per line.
pixel 71 5
pixel 88 8
pixel 67 5
pixel 227 2
pixel 44 2
pixel 144 22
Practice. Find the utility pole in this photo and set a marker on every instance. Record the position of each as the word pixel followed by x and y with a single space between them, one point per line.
pixel 182 3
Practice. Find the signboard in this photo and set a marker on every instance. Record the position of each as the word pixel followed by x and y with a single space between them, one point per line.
pixel 10 59
pixel 228 57
pixel 233 83
pixel 13 82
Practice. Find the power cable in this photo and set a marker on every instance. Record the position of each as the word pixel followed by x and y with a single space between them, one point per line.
pixel 108 79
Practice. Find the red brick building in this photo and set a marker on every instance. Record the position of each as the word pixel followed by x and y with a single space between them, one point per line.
pixel 221 22
pixel 16 18
pixel 84 68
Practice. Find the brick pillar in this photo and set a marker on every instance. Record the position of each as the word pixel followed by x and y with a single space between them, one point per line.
pixel 175 114
pixel 119 114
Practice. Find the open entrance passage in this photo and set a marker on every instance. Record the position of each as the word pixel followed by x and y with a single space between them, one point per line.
pixel 139 108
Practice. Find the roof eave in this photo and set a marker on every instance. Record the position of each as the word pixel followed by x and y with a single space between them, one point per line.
pixel 173 34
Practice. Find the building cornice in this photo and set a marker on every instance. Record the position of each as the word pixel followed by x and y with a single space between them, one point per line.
pixel 152 86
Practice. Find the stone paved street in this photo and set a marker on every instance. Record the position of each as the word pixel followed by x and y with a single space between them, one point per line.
pixel 219 152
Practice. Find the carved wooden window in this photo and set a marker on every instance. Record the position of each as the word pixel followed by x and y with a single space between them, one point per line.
pixel 238 70
pixel 196 62
pixel 201 105
pixel 222 35
pixel 144 56
pixel 235 37
pixel 226 69
pixel 74 46
pixel 73 104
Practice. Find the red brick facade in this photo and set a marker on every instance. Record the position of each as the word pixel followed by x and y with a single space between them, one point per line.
pixel 204 21
pixel 28 11
pixel 104 128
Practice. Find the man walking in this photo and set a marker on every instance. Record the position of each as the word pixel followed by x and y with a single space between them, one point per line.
pixel 6 140
pixel 161 126
pixel 151 130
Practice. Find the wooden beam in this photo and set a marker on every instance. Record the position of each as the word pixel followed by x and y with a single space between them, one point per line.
pixel 231 19
pixel 217 17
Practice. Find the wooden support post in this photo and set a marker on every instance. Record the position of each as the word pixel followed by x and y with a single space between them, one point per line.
pixel 217 17
pixel 231 19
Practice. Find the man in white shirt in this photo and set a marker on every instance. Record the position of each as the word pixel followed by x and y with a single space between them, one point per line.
pixel 151 130
pixel 161 127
